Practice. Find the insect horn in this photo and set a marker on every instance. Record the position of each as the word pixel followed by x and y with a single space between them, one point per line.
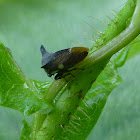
pixel 43 50
pixel 46 56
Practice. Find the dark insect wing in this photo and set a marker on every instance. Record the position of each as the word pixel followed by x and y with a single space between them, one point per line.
pixel 75 55
pixel 60 61
pixel 50 61
pixel 58 53
pixel 70 59
pixel 64 57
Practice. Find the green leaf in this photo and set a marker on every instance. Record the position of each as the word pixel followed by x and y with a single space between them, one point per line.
pixel 68 107
pixel 134 48
pixel 89 110
pixel 54 124
pixel 41 87
pixel 16 91
pixel 25 131
pixel 120 60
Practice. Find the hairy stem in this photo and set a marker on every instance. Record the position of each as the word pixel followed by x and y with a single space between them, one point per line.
pixel 122 38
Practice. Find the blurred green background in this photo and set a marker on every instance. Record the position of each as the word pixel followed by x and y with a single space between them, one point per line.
pixel 26 24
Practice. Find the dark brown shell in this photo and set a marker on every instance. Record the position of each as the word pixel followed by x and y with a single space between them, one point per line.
pixel 66 58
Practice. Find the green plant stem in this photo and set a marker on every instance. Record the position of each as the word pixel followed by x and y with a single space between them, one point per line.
pixel 123 39
pixel 111 31
pixel 54 89
pixel 120 41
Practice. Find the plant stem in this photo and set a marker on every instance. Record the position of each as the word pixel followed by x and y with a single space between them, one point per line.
pixel 104 53
pixel 123 39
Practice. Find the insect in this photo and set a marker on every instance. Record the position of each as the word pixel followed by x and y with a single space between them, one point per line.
pixel 61 61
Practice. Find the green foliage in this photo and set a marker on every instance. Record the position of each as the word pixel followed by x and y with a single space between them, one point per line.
pixel 89 110
pixel 16 91
pixel 26 131
pixel 135 49
pixel 77 101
